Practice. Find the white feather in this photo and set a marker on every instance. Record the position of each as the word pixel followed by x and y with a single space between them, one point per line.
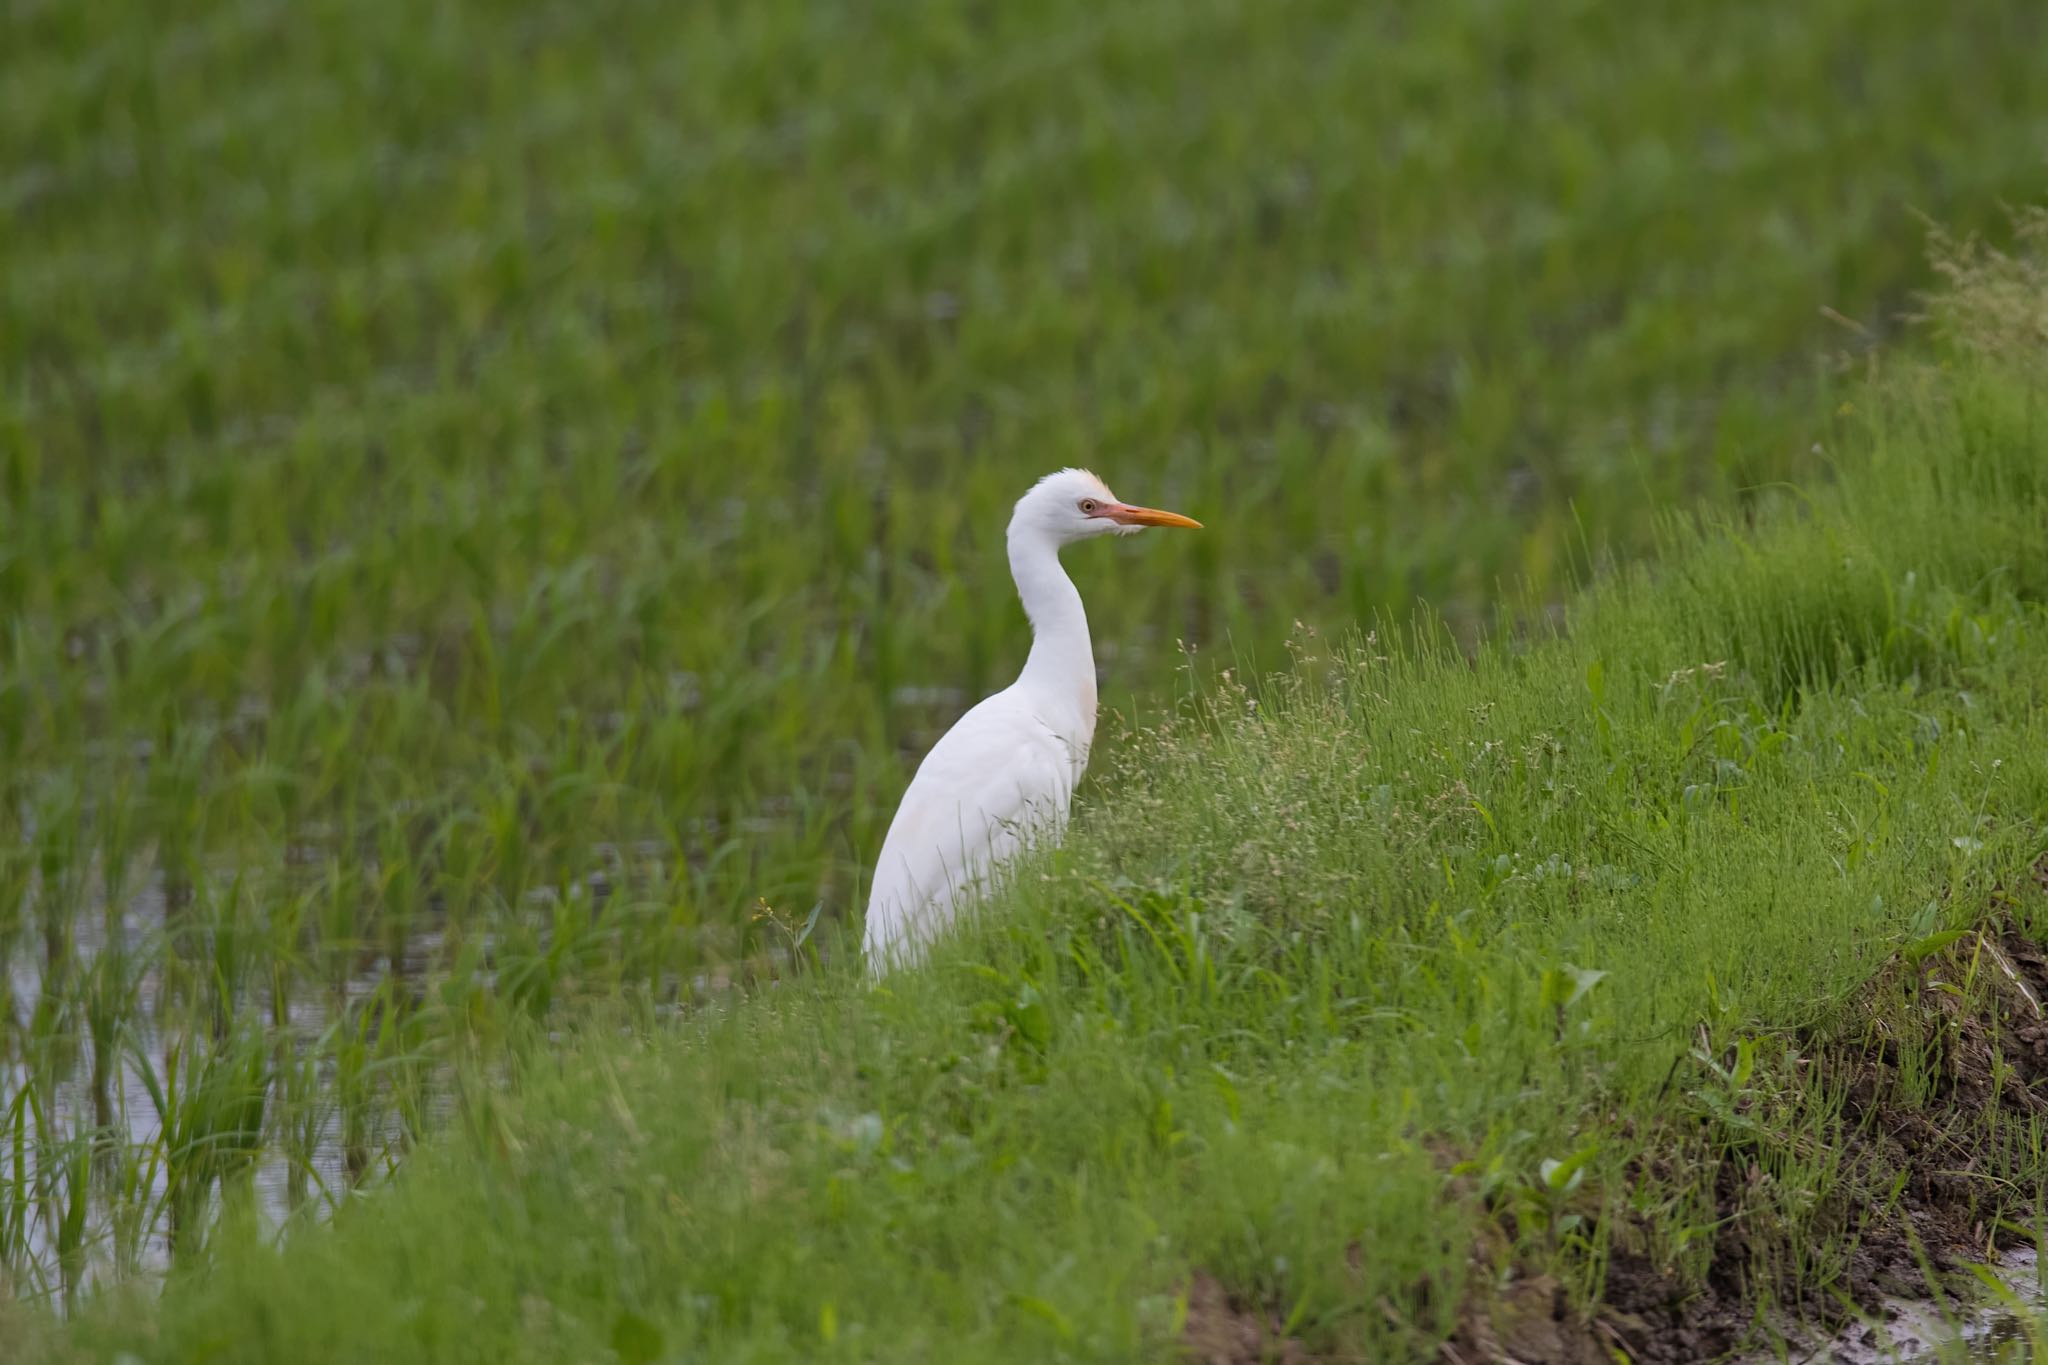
pixel 997 782
pixel 1003 777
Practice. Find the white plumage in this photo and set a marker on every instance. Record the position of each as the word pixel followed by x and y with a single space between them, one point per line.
pixel 1004 775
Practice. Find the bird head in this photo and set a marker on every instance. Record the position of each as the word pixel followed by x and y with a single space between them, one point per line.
pixel 1075 505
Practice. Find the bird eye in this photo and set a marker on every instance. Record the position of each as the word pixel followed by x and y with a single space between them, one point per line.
pixel 1088 506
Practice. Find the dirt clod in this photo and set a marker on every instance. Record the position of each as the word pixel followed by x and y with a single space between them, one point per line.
pixel 1223 1330
pixel 1937 1046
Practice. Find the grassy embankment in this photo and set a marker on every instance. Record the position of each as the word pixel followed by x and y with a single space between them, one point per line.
pixel 487 494
pixel 1333 972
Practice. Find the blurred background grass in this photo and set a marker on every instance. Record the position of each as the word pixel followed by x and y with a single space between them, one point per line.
pixel 493 494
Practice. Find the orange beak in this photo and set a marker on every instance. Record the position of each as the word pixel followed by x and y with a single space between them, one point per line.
pixel 1126 515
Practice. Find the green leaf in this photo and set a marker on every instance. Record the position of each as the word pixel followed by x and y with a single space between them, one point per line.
pixel 1039 1308
pixel 637 1340
pixel 1921 949
pixel 810 924
pixel 1564 1176
pixel 1745 1062
pixel 1584 979
pixel 1029 1016
pixel 1564 986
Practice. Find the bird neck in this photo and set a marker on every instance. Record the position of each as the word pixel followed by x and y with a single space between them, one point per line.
pixel 1062 660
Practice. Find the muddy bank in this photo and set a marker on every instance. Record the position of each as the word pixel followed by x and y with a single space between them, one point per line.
pixel 1928 1083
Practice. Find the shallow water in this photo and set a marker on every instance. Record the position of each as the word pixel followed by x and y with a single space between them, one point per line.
pixel 1917 1332
pixel 127 1229
pixel 280 1067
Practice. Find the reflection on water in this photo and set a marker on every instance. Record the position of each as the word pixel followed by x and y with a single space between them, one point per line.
pixel 164 1053
pixel 1918 1332
pixel 107 1141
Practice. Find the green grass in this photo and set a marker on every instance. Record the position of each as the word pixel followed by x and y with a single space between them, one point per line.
pixel 1311 943
pixel 490 499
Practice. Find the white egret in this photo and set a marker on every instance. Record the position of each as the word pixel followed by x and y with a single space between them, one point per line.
pixel 1003 776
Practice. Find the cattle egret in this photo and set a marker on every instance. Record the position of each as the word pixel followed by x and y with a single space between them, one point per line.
pixel 1003 776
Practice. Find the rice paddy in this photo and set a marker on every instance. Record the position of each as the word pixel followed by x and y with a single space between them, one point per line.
pixel 1366 1008
pixel 493 501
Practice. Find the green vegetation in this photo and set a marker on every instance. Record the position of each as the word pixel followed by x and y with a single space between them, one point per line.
pixel 492 501
pixel 1544 920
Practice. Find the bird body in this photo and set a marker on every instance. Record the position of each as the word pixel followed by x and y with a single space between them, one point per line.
pixel 1003 777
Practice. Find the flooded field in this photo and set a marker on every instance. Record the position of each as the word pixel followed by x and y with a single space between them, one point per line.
pixel 178 1052
pixel 162 1060
pixel 493 503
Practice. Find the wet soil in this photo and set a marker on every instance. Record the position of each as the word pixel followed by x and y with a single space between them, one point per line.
pixel 1935 1048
